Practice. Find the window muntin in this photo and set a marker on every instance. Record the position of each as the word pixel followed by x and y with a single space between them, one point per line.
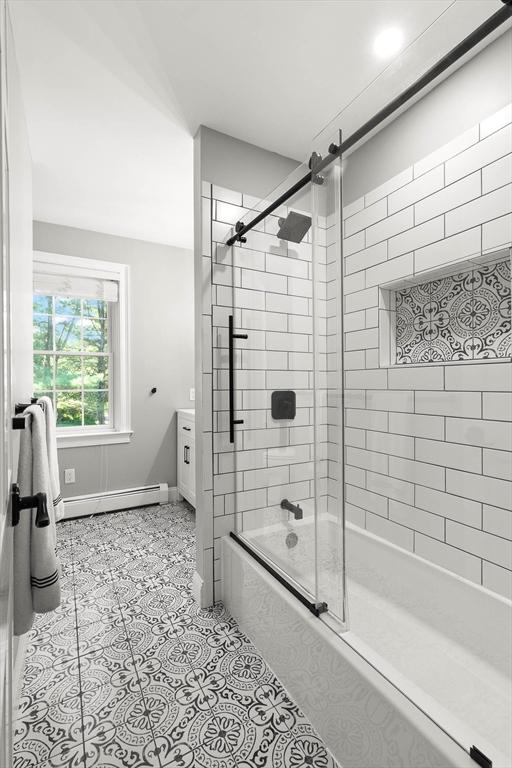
pixel 73 359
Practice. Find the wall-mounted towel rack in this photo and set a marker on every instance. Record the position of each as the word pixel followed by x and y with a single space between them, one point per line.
pixel 18 422
pixel 37 501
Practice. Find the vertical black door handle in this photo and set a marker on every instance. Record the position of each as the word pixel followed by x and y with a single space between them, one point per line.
pixel 232 420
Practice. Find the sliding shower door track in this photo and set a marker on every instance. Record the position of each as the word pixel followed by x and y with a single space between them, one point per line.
pixel 315 608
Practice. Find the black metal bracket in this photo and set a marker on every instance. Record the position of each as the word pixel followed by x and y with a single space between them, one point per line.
pixel 315 161
pixel 315 608
pixel 18 421
pixel 479 757
pixel 238 227
pixel 37 501
pixel 232 420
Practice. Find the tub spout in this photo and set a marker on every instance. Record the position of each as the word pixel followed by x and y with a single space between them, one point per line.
pixel 294 508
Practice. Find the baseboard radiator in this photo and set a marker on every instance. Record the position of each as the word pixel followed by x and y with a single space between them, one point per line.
pixel 109 501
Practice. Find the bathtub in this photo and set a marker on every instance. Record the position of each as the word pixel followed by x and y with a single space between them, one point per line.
pixel 421 674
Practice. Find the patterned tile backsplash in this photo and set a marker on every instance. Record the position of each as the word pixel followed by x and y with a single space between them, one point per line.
pixel 466 316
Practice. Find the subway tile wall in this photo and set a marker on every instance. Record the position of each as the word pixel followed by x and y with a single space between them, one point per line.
pixel 429 462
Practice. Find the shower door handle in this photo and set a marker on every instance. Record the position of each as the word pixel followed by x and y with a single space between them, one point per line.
pixel 232 420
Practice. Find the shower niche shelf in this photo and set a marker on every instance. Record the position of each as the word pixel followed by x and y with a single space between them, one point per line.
pixel 460 316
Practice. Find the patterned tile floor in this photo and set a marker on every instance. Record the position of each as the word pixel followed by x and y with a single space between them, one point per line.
pixel 130 673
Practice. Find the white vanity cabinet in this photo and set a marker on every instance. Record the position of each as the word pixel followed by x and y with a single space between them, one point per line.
pixel 187 455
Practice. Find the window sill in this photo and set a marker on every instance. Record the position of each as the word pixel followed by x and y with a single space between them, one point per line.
pixel 84 439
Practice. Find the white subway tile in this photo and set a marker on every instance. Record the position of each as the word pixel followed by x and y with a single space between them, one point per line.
pixel 497 405
pixel 450 197
pixel 362 419
pixel 448 557
pixel 393 445
pixel 366 500
pixel 248 259
pixel 391 270
pixel 301 435
pixel 417 472
pixel 449 250
pixel 354 360
pixel 354 243
pixel 496 121
pixel 352 208
pixel 392 487
pixel 302 250
pixel 246 500
pixel 481 432
pixel 497 579
pixel 457 508
pixel 498 521
pixel 263 359
pixel 490 490
pixel 464 404
pixel 353 283
pixel 264 438
pixel 417 237
pixel 486 151
pixel 355 515
pixel 386 529
pixel 228 483
pixel 425 185
pixel 423 377
pixel 498 463
pixel 220 231
pixel 263 478
pixel 284 265
pixel 354 321
pixel 301 472
pixel 491 206
pixel 289 454
pixel 300 361
pixel 388 186
pixel 377 462
pixel 226 195
pixel 240 297
pixel 300 324
pixel 263 281
pixel 254 399
pixel 392 400
pixel 389 227
pixel 367 339
pixel 367 379
pixel 416 425
pixel 484 376
pixel 355 476
pixel 368 257
pixel 497 174
pixel 299 287
pixel 447 151
pixel 452 455
pixel 286 379
pixel 497 233
pixel 242 460
pixel 293 342
pixel 355 437
pixel 365 218
pixel 485 545
pixel 294 305
pixel 372 317
pixel 262 241
pixel 417 519
pixel 229 213
pixel 263 321
pixel 361 300
pixel 293 491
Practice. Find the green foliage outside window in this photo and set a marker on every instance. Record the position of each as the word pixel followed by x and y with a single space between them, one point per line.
pixel 72 358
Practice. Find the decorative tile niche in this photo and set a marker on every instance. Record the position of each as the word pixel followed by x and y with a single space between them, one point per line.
pixel 465 316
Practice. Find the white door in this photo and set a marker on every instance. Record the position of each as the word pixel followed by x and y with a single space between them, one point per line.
pixel 15 335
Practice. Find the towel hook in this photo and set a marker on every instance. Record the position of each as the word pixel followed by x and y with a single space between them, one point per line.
pixel 38 501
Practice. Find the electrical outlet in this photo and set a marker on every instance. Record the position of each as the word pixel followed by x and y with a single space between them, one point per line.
pixel 192 394
pixel 69 475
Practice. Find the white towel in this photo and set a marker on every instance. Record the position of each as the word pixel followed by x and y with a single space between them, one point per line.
pixel 53 461
pixel 36 565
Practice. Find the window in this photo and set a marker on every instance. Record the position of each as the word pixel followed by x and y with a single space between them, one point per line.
pixel 80 337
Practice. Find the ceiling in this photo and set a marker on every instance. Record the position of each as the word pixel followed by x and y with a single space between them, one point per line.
pixel 114 91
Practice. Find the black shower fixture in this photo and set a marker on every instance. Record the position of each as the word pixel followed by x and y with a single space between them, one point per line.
pixel 294 227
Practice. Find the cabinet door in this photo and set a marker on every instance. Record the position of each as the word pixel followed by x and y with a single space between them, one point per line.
pixel 191 455
pixel 183 466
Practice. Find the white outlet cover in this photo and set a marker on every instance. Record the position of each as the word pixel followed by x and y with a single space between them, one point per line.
pixel 69 475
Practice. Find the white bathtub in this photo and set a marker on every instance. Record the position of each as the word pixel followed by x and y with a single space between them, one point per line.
pixel 424 668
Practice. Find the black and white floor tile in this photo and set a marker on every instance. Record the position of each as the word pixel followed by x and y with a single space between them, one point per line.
pixel 130 673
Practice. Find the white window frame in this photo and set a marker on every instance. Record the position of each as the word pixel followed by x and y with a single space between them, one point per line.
pixel 120 431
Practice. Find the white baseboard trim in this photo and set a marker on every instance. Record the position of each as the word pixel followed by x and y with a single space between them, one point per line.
pixel 109 501
pixel 174 494
pixel 198 592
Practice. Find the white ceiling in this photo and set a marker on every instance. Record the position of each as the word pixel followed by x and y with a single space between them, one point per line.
pixel 115 90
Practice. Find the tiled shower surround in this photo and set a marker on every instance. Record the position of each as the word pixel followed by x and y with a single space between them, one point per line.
pixel 428 446
pixel 465 316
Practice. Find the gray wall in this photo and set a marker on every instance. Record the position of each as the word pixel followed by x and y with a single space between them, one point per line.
pixel 162 355
pixel 237 165
pixel 479 88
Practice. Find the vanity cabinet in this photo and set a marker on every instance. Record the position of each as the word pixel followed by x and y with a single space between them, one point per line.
pixel 187 455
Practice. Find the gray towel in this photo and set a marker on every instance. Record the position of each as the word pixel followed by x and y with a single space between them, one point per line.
pixel 53 462
pixel 36 566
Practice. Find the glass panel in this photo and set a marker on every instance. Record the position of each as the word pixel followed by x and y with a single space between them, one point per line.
pixel 67 334
pixel 42 304
pixel 95 336
pixel 94 308
pixel 95 372
pixel 96 409
pixel 43 332
pixel 67 306
pixel 68 373
pixel 69 409
pixel 43 372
